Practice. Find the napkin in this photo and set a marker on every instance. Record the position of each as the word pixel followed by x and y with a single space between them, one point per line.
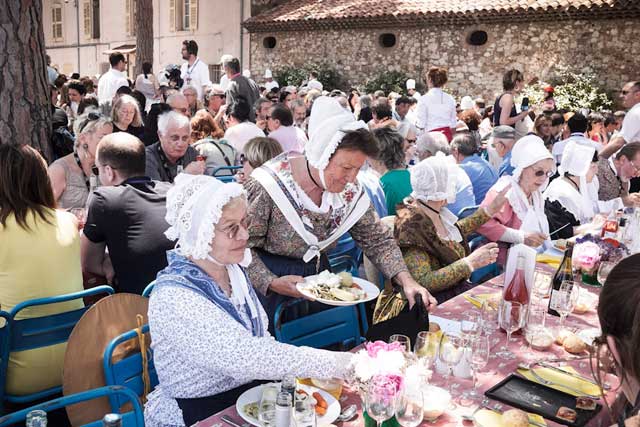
pixel 560 379
pixel 551 260
pixel 478 300
pixel 511 265
pixel 489 418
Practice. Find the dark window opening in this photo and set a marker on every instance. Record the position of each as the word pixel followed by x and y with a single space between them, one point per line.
pixel 387 40
pixel 478 38
pixel 269 42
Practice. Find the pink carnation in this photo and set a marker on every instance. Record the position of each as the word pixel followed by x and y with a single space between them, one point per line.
pixel 373 348
pixel 586 255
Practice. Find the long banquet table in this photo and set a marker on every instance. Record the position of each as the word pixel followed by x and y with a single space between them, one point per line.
pixel 496 370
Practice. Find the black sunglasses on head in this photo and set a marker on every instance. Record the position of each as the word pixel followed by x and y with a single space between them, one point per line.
pixel 91 117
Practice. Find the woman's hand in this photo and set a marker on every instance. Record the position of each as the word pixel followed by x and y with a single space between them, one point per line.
pixel 286 285
pixel 411 288
pixel 534 239
pixel 484 255
pixel 195 168
pixel 498 202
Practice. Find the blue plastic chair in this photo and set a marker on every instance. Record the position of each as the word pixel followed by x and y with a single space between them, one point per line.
pixel 337 325
pixel 133 418
pixel 147 291
pixel 344 263
pixel 37 332
pixel 488 271
pixel 347 246
pixel 128 371
pixel 226 178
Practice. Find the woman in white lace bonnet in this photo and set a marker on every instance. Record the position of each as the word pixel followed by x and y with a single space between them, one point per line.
pixel 209 331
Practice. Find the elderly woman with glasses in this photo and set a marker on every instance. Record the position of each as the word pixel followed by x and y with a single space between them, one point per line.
pixel 522 219
pixel 72 176
pixel 209 330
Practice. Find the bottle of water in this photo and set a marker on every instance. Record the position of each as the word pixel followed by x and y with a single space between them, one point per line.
pixel 36 418
pixel 112 420
pixel 283 409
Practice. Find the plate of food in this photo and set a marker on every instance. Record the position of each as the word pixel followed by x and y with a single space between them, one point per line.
pixel 340 289
pixel 327 408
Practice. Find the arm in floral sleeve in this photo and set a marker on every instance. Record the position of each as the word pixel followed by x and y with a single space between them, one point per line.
pixel 259 214
pixel 435 280
pixel 378 244
pixel 471 223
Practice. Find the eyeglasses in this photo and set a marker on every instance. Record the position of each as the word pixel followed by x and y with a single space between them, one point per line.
pixel 232 231
pixel 637 169
pixel 541 172
pixel 221 96
pixel 91 117
pixel 411 141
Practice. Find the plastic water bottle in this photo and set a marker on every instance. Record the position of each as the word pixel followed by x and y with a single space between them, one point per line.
pixel 36 418
pixel 283 409
pixel 112 420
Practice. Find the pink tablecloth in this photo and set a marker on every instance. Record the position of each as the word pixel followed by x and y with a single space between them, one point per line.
pixel 496 370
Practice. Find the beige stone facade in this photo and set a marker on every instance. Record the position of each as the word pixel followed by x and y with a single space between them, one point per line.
pixel 610 47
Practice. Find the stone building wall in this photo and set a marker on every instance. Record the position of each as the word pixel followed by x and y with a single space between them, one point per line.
pixel 609 47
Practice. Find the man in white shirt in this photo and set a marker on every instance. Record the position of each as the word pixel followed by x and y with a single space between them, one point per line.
pixel 194 72
pixel 577 125
pixel 313 82
pixel 113 79
pixel 269 82
pixel 224 79
pixel 630 131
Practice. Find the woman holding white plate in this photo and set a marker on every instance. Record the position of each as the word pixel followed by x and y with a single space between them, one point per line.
pixel 209 331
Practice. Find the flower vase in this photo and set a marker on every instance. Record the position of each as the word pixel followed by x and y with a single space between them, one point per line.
pixel 590 279
pixel 370 422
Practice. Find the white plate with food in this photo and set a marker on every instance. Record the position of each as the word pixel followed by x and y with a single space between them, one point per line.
pixel 248 403
pixel 340 289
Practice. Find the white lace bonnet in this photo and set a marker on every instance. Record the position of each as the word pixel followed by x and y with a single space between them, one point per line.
pixel 327 125
pixel 194 207
pixel 527 151
pixel 434 178
pixel 576 159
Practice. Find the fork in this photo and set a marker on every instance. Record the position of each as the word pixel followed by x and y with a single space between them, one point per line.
pixel 549 383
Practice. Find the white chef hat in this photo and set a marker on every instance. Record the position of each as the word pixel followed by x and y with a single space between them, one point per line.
pixel 267 74
pixel 527 151
pixel 194 207
pixel 328 123
pixel 411 84
pixel 466 103
pixel 434 178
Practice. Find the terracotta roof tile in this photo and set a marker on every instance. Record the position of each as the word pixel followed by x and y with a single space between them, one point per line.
pixel 307 14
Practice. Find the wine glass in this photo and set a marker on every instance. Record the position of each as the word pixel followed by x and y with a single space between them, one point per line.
pixel 512 318
pixel 402 339
pixel 470 325
pixel 450 353
pixel 303 412
pixel 489 313
pixel 267 412
pixel 478 359
pixel 410 407
pixel 426 347
pixel 541 286
pixel 604 270
pixel 565 299
pixel 380 400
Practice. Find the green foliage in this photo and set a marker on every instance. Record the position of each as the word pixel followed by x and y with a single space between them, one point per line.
pixel 572 91
pixel 388 81
pixel 328 75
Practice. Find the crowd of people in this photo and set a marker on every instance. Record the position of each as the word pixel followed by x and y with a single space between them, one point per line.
pixel 144 171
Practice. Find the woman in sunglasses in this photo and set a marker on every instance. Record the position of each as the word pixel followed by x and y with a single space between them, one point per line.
pixel 71 176
pixel 522 219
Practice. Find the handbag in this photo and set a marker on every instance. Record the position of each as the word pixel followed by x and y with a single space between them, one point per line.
pixel 409 322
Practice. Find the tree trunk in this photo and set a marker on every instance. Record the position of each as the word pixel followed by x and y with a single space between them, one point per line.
pixel 144 33
pixel 25 109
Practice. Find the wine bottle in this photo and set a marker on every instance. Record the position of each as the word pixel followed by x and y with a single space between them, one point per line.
pixel 516 290
pixel 564 272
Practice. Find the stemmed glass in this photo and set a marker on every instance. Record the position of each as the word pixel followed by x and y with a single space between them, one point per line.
pixel 489 313
pixel 565 300
pixel 426 347
pixel 478 359
pixel 512 318
pixel 604 270
pixel 450 353
pixel 402 339
pixel 470 325
pixel 380 400
pixel 410 407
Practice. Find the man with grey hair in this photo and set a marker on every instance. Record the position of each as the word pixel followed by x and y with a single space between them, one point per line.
pixel 240 86
pixel 179 103
pixel 299 114
pixel 503 140
pixel 465 151
pixel 172 154
pixel 429 143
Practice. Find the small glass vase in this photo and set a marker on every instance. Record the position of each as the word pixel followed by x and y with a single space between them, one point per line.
pixel 370 422
pixel 590 279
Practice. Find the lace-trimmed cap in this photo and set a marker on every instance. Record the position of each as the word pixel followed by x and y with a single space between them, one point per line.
pixel 528 150
pixel 327 125
pixel 576 159
pixel 435 178
pixel 194 207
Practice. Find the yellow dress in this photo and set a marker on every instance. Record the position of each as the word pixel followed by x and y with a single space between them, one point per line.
pixel 43 261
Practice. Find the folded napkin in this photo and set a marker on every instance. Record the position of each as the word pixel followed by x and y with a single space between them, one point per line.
pixel 550 260
pixel 559 379
pixel 489 418
pixel 478 300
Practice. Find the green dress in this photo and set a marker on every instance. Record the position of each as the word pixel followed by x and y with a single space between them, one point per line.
pixel 396 185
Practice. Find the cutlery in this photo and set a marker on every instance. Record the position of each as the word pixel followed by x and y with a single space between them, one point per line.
pixel 550 383
pixel 229 421
pixel 347 413
pixel 558 229
pixel 568 359
pixel 572 374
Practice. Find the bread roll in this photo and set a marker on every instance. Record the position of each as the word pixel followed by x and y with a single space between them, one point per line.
pixel 515 418
pixel 574 345
pixel 433 327
pixel 562 335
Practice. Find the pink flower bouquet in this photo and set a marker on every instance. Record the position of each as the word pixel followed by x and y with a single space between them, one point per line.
pixel 382 361
pixel 586 257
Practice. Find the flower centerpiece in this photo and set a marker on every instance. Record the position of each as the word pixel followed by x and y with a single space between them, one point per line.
pixel 589 251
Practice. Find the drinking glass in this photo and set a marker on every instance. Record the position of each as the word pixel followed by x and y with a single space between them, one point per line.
pixel 565 299
pixel 267 409
pixel 426 347
pixel 478 359
pixel 541 287
pixel 489 313
pixel 450 353
pixel 410 407
pixel 512 318
pixel 536 319
pixel 304 414
pixel 604 270
pixel 380 400
pixel 470 325
pixel 402 339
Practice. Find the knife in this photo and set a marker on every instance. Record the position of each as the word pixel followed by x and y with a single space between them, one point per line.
pixel 229 421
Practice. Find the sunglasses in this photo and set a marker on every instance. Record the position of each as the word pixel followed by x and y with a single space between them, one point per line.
pixel 411 141
pixel 232 231
pixel 91 117
pixel 540 173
